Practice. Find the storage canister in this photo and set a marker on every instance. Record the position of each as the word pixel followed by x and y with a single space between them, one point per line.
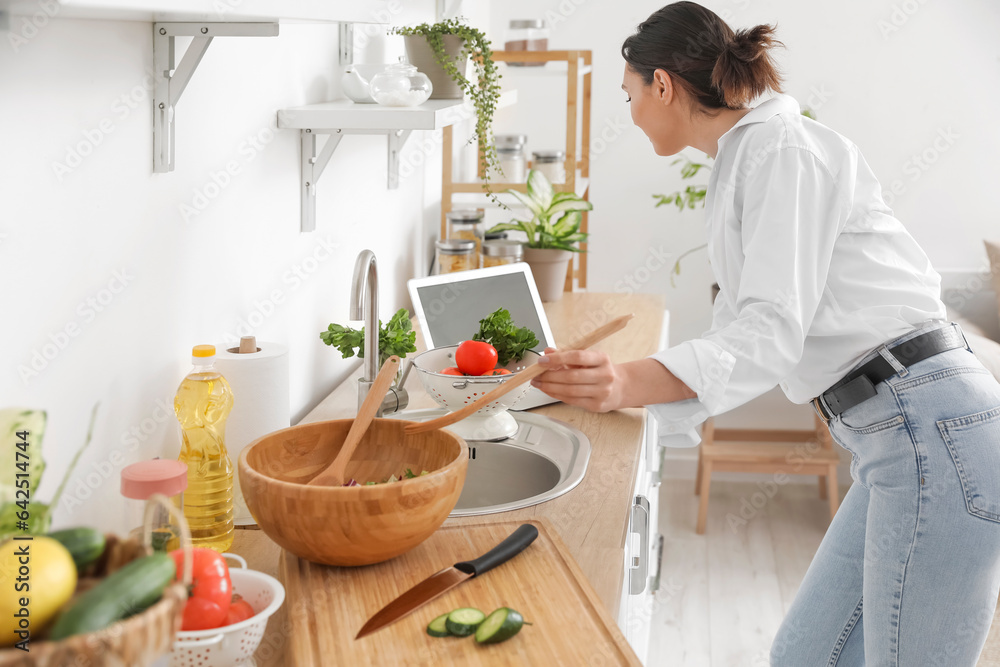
pixel 502 251
pixel 468 224
pixel 455 255
pixel 527 35
pixel 512 158
pixel 552 163
pixel 139 482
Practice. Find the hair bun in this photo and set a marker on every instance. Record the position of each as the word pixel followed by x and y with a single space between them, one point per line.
pixel 745 68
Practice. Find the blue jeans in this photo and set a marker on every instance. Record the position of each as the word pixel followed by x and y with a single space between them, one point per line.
pixel 909 570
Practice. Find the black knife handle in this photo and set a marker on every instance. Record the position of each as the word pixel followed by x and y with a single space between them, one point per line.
pixel 501 553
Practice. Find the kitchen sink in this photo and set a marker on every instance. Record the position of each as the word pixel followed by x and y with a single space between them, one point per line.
pixel 544 459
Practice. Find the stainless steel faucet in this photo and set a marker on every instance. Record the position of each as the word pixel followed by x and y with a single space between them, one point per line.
pixel 364 306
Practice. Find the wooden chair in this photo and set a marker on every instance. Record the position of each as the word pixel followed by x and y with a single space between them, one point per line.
pixel 766 451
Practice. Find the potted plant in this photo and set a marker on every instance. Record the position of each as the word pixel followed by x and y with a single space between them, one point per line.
pixel 553 232
pixel 442 51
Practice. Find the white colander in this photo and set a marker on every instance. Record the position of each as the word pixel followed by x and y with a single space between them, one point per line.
pixel 232 645
pixel 453 392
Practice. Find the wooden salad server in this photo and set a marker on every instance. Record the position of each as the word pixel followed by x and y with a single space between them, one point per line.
pixel 333 474
pixel 519 378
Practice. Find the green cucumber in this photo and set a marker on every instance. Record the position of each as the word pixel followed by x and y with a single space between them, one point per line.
pixel 500 625
pixel 85 544
pixel 463 622
pixel 123 593
pixel 437 627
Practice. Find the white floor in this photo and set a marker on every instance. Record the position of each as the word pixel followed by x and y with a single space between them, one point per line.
pixel 723 594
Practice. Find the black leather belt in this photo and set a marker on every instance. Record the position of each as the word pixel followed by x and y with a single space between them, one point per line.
pixel 859 385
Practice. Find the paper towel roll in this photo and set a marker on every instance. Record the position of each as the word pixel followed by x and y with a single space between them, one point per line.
pixel 260 394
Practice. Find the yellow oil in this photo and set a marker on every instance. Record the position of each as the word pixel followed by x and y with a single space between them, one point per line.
pixel 202 405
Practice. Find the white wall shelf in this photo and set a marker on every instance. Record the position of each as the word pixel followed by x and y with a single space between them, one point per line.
pixel 267 11
pixel 342 117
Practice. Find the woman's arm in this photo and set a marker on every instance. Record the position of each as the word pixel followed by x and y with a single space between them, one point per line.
pixel 588 379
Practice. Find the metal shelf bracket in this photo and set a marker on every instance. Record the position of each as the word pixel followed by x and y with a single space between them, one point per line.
pixel 172 79
pixel 314 160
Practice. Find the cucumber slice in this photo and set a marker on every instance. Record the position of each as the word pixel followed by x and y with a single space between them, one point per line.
pixel 500 625
pixel 463 622
pixel 437 627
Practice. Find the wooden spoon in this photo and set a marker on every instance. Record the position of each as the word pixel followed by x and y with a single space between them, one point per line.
pixel 526 375
pixel 333 474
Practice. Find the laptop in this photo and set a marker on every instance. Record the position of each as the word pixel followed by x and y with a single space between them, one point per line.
pixel 449 307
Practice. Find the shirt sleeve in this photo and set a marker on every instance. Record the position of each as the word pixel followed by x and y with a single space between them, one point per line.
pixel 791 217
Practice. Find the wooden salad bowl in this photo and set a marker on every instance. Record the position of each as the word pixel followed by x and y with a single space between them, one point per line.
pixel 352 525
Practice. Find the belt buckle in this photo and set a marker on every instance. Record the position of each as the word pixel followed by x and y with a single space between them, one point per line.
pixel 818 406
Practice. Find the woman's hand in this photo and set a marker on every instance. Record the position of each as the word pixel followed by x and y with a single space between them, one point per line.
pixel 585 378
pixel 588 379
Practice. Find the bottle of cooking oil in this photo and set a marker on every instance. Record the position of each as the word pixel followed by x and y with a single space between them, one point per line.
pixel 202 404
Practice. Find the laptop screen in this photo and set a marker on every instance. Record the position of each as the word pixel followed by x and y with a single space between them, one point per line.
pixel 451 311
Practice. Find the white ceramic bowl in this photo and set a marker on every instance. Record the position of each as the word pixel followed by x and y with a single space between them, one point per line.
pixel 453 392
pixel 232 645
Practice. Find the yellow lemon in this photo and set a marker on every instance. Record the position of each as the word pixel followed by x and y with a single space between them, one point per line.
pixel 37 577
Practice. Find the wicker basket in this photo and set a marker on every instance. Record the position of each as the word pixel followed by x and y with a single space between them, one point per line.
pixel 137 641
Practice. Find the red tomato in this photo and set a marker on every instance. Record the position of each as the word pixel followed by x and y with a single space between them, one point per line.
pixel 475 357
pixel 499 371
pixel 452 370
pixel 211 591
pixel 239 610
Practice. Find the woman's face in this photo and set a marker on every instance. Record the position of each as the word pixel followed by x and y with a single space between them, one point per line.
pixel 658 110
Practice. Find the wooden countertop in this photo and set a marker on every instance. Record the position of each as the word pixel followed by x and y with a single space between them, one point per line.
pixel 593 517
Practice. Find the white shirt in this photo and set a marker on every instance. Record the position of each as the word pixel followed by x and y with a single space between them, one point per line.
pixel 814 270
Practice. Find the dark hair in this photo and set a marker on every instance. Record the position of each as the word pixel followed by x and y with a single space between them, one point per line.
pixel 719 68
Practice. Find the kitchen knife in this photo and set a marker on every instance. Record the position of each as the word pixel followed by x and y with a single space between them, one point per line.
pixel 441 582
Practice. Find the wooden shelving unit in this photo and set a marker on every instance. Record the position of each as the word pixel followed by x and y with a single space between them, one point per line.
pixel 576 66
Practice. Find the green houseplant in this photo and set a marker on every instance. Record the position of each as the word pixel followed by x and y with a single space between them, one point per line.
pixel 442 51
pixel 553 232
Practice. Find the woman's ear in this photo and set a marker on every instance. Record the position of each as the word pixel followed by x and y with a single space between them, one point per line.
pixel 663 86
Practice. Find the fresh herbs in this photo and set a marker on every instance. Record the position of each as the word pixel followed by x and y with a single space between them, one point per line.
pixel 511 342
pixel 397 337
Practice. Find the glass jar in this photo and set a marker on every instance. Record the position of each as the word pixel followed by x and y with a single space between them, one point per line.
pixel 527 35
pixel 512 158
pixel 455 255
pixel 551 163
pixel 140 481
pixel 501 252
pixel 468 224
pixel 400 85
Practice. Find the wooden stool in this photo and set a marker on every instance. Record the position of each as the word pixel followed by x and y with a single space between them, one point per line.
pixel 764 450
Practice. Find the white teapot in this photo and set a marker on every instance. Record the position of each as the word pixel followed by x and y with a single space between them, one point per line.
pixel 355 81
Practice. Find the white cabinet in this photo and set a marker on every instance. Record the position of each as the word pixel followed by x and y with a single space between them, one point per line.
pixel 643 542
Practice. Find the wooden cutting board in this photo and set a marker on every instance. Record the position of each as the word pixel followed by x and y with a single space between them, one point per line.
pixel 326 606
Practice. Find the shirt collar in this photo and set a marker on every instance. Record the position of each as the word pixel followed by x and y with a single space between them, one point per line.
pixel 764 111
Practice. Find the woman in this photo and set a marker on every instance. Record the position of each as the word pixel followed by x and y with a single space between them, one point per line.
pixel 824 293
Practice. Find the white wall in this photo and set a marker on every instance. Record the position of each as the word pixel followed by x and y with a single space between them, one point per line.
pixel 109 229
pixel 892 75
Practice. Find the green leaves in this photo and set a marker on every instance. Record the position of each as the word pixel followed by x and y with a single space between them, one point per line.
pixel 556 216
pixel 397 337
pixel 510 342
pixel 484 90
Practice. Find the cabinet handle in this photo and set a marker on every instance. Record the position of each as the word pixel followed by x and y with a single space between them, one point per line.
pixel 655 579
pixel 639 525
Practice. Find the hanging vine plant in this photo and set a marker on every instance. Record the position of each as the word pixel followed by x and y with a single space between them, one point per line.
pixel 483 89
